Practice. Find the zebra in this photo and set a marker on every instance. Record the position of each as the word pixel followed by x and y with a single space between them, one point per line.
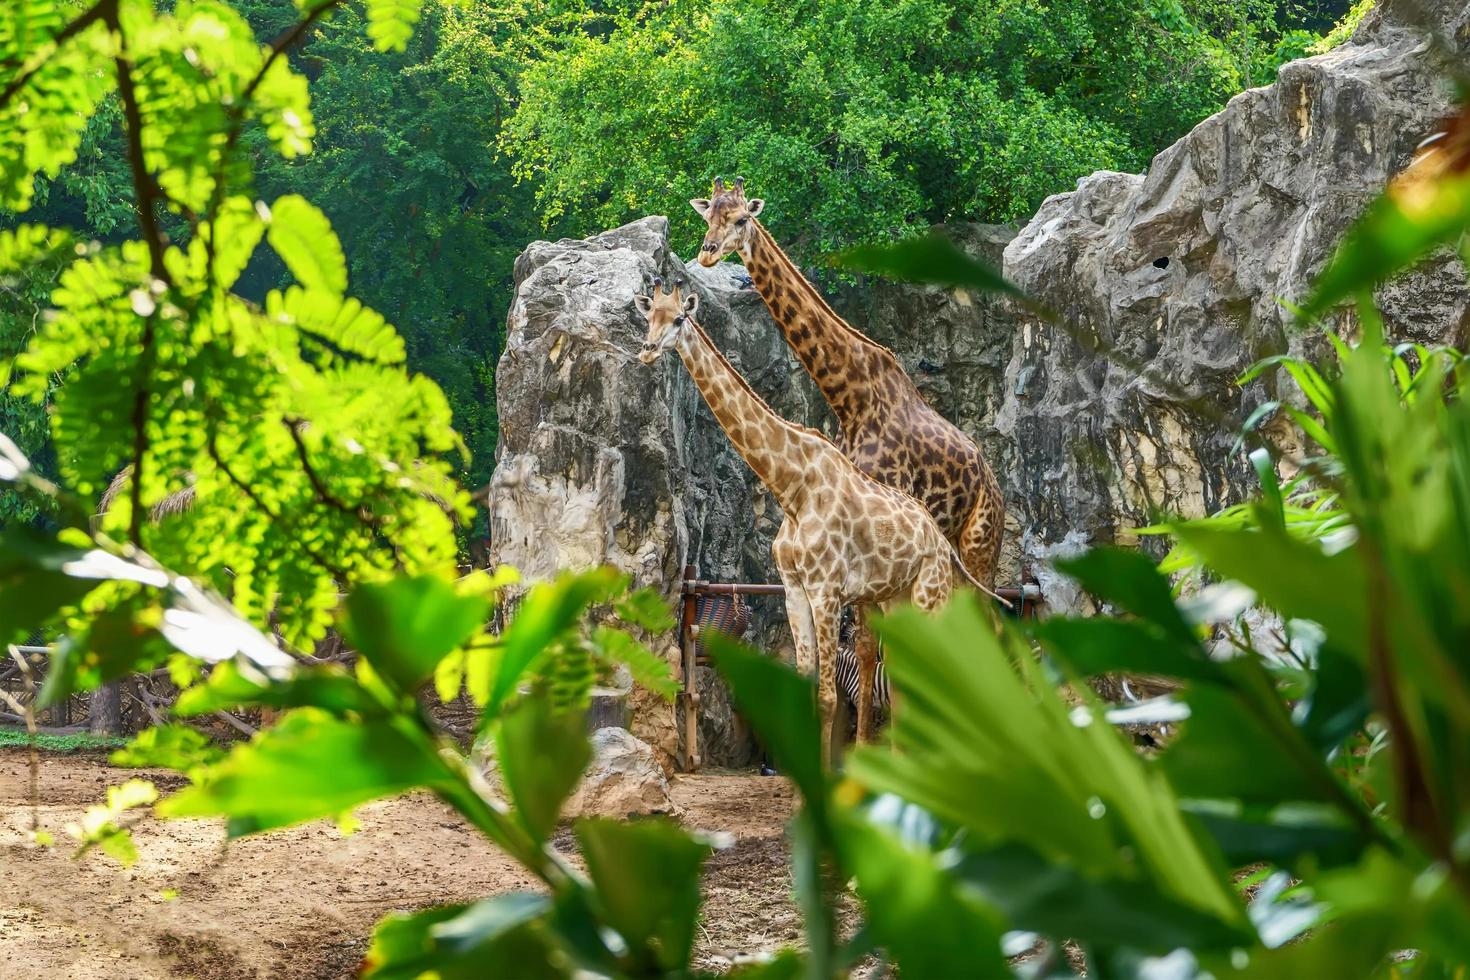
pixel 847 671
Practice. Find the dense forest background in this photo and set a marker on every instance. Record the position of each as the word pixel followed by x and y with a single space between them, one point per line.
pixel 857 119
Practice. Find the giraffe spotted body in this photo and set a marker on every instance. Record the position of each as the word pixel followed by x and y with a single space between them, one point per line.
pixel 845 539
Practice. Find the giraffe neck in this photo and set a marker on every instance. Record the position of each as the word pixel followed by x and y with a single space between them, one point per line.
pixel 842 361
pixel 780 452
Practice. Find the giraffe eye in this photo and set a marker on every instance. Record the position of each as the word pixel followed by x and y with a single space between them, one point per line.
pixel 741 222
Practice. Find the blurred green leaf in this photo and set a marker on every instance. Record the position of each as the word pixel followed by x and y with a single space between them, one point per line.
pixel 548 610
pixel 1296 577
pixel 328 687
pixel 303 238
pixel 177 747
pixel 646 608
pixel 34 582
pixel 307 766
pixel 933 259
pixel 647 878
pixel 495 937
pixel 1395 231
pixel 1229 750
pixel 390 22
pixel 1038 895
pixel 541 753
pixel 406 626
pixel 926 918
pixel 1131 581
pixel 1099 646
pixel 781 707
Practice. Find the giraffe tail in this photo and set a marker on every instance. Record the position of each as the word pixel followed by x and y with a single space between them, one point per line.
pixel 954 556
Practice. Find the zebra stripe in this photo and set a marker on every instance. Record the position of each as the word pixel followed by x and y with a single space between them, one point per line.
pixel 847 679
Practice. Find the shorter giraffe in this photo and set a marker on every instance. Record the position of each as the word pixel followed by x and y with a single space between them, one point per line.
pixel 846 538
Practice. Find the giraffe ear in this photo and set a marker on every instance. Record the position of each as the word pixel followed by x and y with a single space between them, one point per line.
pixel 691 303
pixel 755 205
pixel 644 304
pixel 700 204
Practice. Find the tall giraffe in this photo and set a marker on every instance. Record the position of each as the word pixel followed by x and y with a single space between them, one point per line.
pixel 886 426
pixel 846 539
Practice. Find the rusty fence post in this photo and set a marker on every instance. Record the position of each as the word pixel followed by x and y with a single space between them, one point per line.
pixel 689 695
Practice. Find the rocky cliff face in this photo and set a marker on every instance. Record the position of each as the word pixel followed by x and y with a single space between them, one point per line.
pixel 1167 286
pixel 1179 272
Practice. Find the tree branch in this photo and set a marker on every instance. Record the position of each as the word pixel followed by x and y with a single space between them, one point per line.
pixel 212 447
pixel 359 513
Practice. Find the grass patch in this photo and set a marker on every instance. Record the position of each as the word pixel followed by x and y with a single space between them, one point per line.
pixel 72 742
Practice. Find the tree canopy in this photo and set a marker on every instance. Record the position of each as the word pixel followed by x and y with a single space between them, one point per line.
pixel 858 119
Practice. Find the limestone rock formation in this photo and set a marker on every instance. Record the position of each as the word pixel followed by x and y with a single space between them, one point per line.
pixel 605 461
pixel 624 779
pixel 1179 271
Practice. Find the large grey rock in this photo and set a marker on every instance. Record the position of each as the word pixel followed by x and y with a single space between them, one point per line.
pixel 1179 271
pixel 624 779
pixel 605 461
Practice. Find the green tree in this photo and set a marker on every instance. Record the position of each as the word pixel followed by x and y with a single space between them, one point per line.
pixel 860 119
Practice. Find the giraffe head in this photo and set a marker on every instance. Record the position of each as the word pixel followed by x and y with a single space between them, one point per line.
pixel 667 314
pixel 731 220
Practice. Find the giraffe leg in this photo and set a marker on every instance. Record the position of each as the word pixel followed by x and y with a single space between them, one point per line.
pixel 865 647
pixel 827 618
pixel 803 631
pixel 979 541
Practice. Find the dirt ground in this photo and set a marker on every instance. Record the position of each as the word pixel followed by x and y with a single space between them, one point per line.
pixel 300 902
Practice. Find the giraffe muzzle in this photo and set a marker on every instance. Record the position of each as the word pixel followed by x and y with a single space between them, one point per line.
pixel 649 353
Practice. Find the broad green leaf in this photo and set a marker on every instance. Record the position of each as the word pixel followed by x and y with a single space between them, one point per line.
pixel 931 258
pixel 176 747
pixel 303 238
pixel 1395 231
pixel 1296 577
pixel 328 687
pixel 37 579
pixel 499 936
pixel 927 919
pixel 781 707
pixel 1130 580
pixel 647 877
pixel 984 742
pixel 1283 837
pixel 406 626
pixel 1233 747
pixel 541 754
pixel 1038 895
pixel 308 766
pixel 1100 645
pixel 547 611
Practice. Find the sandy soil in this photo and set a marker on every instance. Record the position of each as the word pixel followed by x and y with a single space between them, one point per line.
pixel 301 902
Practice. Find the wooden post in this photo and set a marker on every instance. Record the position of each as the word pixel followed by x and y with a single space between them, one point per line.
pixel 688 611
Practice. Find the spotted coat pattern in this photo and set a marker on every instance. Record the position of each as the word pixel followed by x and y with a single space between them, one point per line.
pixel 845 538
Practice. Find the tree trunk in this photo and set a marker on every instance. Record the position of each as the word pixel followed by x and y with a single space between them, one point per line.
pixel 106 710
